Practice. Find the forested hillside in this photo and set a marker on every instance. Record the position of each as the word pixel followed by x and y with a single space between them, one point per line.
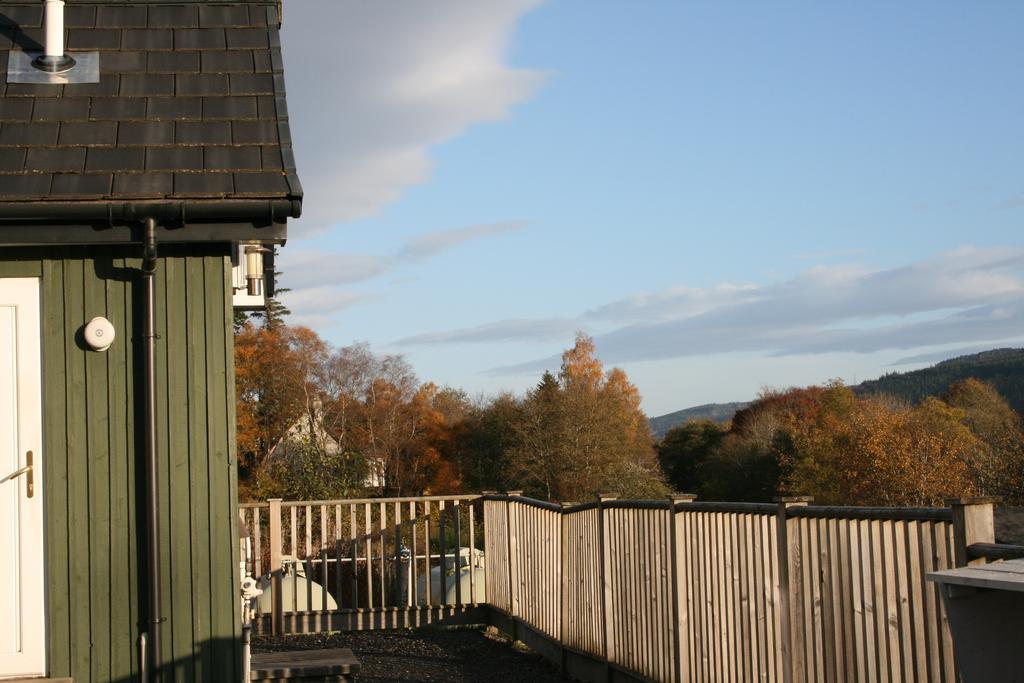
pixel 716 412
pixel 1003 368
pixel 845 449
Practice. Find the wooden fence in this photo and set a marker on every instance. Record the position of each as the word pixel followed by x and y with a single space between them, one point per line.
pixel 382 562
pixel 671 590
pixel 681 590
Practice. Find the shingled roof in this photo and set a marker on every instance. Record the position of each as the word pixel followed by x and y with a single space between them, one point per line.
pixel 190 106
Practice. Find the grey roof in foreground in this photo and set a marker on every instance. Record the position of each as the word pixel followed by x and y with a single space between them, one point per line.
pixel 190 106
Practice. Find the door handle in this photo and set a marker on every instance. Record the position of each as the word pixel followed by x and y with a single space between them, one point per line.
pixel 30 487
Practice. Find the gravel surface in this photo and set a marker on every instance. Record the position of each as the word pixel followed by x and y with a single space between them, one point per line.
pixel 433 654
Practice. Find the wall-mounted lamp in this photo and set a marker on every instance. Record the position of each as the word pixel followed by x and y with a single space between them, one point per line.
pixel 254 269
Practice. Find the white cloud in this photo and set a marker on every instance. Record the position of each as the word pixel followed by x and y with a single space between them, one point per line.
pixel 317 278
pixel 315 306
pixel 501 331
pixel 426 245
pixel 961 296
pixel 826 255
pixel 945 354
pixel 387 80
pixel 1014 202
pixel 315 268
pixel 672 303
pixel 305 269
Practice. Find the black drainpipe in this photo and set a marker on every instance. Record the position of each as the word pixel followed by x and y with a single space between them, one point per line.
pixel 152 641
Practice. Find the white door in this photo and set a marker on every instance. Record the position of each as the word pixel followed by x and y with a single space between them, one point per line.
pixel 22 600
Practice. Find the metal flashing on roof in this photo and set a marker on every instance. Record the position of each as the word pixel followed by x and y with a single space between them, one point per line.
pixel 21 70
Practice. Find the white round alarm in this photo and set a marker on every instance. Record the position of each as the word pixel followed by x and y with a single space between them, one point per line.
pixel 99 334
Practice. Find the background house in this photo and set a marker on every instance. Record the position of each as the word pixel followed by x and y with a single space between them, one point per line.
pixel 309 433
pixel 185 130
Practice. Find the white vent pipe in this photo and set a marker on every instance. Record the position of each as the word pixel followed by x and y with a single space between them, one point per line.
pixel 54 10
pixel 53 58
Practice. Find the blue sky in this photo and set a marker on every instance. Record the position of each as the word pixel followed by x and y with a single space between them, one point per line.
pixel 726 195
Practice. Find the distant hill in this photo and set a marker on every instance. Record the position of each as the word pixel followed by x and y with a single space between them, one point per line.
pixel 1004 368
pixel 716 412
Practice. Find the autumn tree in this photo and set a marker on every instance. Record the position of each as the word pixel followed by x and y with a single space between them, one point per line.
pixel 431 463
pixel 828 443
pixel 584 433
pixel 540 457
pixel 873 451
pixel 316 422
pixel 387 428
pixel 487 437
pixel 746 464
pixel 684 451
pixel 277 373
pixel 997 466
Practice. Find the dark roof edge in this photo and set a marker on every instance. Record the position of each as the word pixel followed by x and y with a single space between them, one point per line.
pixel 178 211
pixel 64 235
pixel 274 3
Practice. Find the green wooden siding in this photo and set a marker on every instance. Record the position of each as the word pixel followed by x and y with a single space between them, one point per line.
pixel 94 462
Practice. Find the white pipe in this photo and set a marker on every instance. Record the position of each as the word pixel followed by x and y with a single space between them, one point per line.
pixel 54 28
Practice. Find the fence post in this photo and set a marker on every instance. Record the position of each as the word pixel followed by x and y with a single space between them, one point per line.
pixel 790 587
pixel 607 630
pixel 679 614
pixel 513 561
pixel 973 522
pixel 276 611
pixel 488 517
pixel 563 608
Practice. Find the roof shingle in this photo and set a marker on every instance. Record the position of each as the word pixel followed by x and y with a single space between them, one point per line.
pixel 190 104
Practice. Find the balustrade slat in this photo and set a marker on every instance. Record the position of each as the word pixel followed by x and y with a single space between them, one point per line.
pixel 944 560
pixel 354 553
pixel 472 556
pixel 382 525
pixel 338 597
pixel 368 549
pixel 458 553
pixel 413 591
pixel 257 541
pixel 293 542
pixel 428 579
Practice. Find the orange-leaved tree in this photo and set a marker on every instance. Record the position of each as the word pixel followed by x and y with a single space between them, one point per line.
pixel 278 370
pixel 998 464
pixel 875 451
pixel 584 433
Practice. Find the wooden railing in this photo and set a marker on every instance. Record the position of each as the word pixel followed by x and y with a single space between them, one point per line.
pixel 682 590
pixel 375 562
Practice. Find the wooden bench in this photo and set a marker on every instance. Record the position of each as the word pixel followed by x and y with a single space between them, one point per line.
pixel 335 665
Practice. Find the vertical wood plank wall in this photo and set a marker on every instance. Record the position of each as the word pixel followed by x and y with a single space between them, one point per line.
pixel 693 591
pixel 863 606
pixel 729 594
pixel 582 625
pixel 93 444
